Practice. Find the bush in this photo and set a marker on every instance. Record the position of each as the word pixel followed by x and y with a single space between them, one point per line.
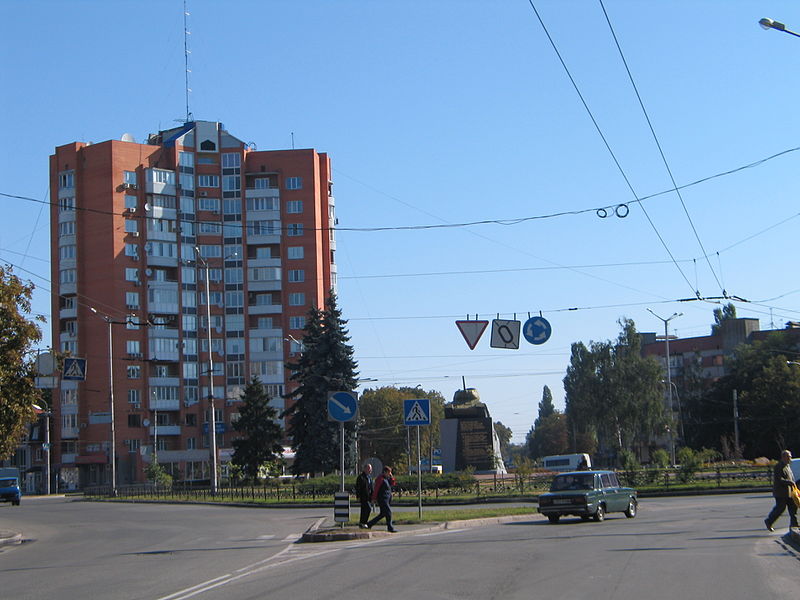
pixel 690 462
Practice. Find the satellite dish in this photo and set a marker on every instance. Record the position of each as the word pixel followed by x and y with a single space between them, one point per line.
pixel 147 206
pixel 127 137
pixel 146 422
pixel 148 272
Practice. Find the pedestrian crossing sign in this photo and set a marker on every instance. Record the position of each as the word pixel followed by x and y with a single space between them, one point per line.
pixel 417 412
pixel 74 369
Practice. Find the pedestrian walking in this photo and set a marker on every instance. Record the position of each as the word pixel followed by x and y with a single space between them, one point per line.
pixel 782 480
pixel 364 493
pixel 382 493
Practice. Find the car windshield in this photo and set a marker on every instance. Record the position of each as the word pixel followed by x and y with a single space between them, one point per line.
pixel 7 482
pixel 572 482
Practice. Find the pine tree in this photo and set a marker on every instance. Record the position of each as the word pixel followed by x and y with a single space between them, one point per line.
pixel 261 435
pixel 325 365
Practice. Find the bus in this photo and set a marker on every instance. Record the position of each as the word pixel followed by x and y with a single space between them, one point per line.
pixel 567 462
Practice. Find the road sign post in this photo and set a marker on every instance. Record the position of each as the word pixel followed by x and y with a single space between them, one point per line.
pixel 342 407
pixel 417 412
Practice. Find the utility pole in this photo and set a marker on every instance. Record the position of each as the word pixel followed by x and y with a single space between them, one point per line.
pixel 669 381
pixel 735 424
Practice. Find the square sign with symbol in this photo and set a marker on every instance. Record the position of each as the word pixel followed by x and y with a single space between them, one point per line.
pixel 417 412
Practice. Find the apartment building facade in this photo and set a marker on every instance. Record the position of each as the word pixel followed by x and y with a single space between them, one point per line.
pixel 134 229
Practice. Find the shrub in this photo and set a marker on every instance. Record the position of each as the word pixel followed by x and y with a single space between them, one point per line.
pixel 690 463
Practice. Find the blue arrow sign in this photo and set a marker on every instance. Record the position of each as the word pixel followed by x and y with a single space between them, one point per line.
pixel 342 406
pixel 537 330
pixel 417 412
pixel 74 369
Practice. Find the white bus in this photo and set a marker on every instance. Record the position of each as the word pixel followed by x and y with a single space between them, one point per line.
pixel 567 462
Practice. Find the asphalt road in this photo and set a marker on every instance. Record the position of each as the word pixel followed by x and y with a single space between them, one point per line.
pixel 712 547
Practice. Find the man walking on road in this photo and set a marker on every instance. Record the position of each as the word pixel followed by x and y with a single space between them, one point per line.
pixel 782 480
pixel 364 493
pixel 383 494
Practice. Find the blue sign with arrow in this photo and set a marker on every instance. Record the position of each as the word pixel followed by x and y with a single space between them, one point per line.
pixel 342 406
pixel 417 412
pixel 537 330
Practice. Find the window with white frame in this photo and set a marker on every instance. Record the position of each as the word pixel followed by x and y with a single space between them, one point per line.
pixel 234 299
pixel 262 299
pixel 233 275
pixel 131 274
pixel 217 345
pixel 264 323
pixel 134 371
pixel 216 298
pixel 265 344
pixel 234 345
pixel 186 159
pixel 271 227
pixel 69 347
pixel 264 274
pixel 163 249
pixel 232 206
pixel 188 299
pixel 161 176
pixel 132 347
pixel 231 160
pixel 297 299
pixel 190 370
pixel 211 204
pixel 66 252
pixel 294 229
pixel 66 179
pixel 66 228
pixel 189 346
pixel 294 207
pixel 295 252
pixel 268 368
pixel 294 183
pixel 189 322
pixel 188 275
pixel 262 204
pixel 297 275
pixel 208 181
pixel 231 183
pixel 66 204
pixel 161 225
pixel 187 181
pixel 187 204
pixel 162 201
pixel 131 250
pixel 69 397
pixel 132 299
pixel 261 183
pixel 234 322
pixel 210 228
pixel 67 276
pixel 133 397
pixel 214 274
pixel 297 322
pixel 210 250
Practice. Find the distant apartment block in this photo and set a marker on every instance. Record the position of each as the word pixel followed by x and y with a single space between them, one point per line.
pixel 133 227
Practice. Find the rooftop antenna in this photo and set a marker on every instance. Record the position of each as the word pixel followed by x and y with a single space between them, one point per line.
pixel 186 53
pixel 292 140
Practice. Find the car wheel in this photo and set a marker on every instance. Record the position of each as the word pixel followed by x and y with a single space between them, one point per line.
pixel 630 512
pixel 600 514
pixel 15 502
pixel 553 518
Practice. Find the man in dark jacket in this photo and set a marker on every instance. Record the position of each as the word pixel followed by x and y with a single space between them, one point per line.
pixel 364 493
pixel 782 480
pixel 383 494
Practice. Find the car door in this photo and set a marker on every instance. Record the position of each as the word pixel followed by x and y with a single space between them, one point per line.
pixel 620 494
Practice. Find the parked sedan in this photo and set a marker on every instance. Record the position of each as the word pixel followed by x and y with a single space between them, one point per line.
pixel 588 495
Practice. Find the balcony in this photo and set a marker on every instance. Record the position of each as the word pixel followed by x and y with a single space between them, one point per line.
pixel 166 430
pixel 69 433
pixel 164 404
pixel 265 309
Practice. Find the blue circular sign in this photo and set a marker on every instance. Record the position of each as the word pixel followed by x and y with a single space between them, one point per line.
pixel 342 406
pixel 537 330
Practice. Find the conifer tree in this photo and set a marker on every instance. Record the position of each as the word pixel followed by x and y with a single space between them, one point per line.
pixel 260 443
pixel 325 365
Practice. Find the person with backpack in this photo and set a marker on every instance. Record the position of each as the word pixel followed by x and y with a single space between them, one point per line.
pixel 382 493
pixel 364 493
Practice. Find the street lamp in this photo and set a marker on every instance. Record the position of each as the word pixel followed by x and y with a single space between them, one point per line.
pixel 46 413
pixel 777 25
pixel 669 379
pixel 680 409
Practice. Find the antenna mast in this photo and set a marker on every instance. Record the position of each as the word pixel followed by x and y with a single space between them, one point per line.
pixel 186 53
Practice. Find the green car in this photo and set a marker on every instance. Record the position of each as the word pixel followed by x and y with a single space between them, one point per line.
pixel 588 495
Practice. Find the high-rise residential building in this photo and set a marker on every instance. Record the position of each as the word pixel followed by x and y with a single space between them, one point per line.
pixel 135 228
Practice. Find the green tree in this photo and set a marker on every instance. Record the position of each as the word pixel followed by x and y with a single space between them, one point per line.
pixel 325 365
pixel 18 333
pixel 549 437
pixel 504 435
pixel 721 315
pixel 261 436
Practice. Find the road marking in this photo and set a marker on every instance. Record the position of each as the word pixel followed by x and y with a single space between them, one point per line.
pixel 265 537
pixel 292 537
pixel 441 532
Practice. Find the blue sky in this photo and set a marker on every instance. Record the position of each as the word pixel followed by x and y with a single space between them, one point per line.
pixel 449 113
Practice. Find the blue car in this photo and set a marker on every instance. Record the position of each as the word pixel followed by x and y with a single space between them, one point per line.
pixel 9 490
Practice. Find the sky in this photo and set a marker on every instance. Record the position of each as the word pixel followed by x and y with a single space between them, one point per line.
pixel 474 146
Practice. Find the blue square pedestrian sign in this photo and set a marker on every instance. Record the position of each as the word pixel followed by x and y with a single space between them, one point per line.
pixel 74 369
pixel 417 412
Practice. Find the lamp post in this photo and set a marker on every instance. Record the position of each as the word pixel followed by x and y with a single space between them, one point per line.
pixel 46 413
pixel 776 25
pixel 212 419
pixel 680 409
pixel 669 380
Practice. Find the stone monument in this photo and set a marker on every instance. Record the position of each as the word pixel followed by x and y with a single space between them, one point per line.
pixel 468 438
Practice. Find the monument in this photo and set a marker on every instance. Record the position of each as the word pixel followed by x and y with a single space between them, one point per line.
pixel 468 438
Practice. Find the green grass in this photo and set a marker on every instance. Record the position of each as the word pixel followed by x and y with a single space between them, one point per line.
pixel 440 516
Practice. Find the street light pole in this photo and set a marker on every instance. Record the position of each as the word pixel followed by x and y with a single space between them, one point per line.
pixel 669 380
pixel 776 25
pixel 212 419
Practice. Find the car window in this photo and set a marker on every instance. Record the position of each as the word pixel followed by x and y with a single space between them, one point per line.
pixel 605 478
pixel 572 482
pixel 7 482
pixel 614 480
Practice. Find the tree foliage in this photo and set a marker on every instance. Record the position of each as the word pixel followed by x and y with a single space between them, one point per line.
pixel 383 434
pixel 504 435
pixel 721 315
pixel 614 395
pixel 261 436
pixel 325 365
pixel 18 333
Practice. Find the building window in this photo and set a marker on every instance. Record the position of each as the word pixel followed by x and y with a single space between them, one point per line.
pixel 216 298
pixel 231 160
pixel 134 421
pixel 187 181
pixel 294 229
pixel 297 275
pixel 160 176
pixel 187 205
pixel 295 252
pixel 132 300
pixel 131 226
pixel 294 207
pixel 264 323
pixel 66 204
pixel 133 348
pixel 208 181
pixel 234 275
pixel 210 250
pixel 133 397
pixel 66 252
pixel 67 276
pixel 134 372
pixel 232 206
pixel 294 183
pixel 69 347
pixel 129 177
pixel 133 445
pixel 130 201
pixel 262 204
pixel 190 370
pixel 130 250
pixel 234 323
pixel 66 179
pixel 186 159
pixel 297 322
pixel 210 228
pixel 191 443
pixel 231 183
pixel 67 228
pixel 234 299
pixel 131 274
pixel 297 299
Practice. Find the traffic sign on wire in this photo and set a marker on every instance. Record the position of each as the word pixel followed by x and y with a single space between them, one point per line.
pixel 505 334
pixel 342 406
pixel 537 330
pixel 472 331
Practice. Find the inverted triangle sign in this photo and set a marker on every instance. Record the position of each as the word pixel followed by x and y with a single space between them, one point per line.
pixel 472 331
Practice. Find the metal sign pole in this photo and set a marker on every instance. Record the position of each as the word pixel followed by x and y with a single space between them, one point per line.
pixel 342 458
pixel 419 475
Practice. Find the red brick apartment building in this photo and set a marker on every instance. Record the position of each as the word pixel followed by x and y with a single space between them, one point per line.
pixel 133 229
